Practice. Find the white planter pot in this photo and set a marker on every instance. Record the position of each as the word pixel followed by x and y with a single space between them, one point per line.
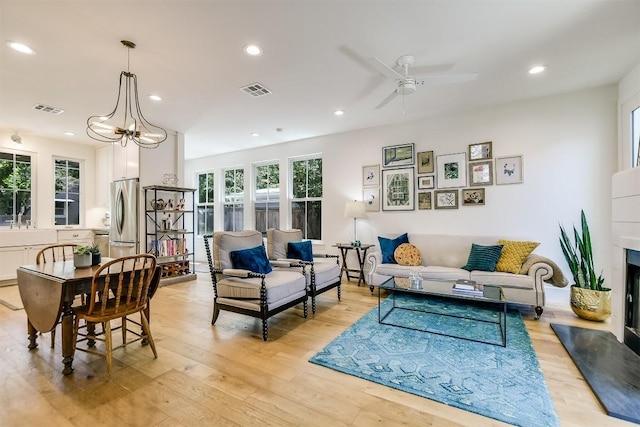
pixel 82 261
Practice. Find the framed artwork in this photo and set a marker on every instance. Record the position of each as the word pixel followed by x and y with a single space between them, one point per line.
pixel 397 190
pixel 480 151
pixel 509 170
pixel 371 199
pixel 473 196
pixel 481 173
pixel 371 176
pixel 425 162
pixel 424 200
pixel 452 170
pixel 425 182
pixel 398 155
pixel 446 199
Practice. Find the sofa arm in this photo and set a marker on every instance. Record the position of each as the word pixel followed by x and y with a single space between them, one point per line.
pixel 546 270
pixel 374 259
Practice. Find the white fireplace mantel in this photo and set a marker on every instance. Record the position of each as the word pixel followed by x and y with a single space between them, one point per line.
pixel 625 227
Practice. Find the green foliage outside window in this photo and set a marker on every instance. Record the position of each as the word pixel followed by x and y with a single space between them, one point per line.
pixel 15 187
pixel 306 206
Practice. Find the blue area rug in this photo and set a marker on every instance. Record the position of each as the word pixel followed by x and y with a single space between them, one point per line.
pixel 501 383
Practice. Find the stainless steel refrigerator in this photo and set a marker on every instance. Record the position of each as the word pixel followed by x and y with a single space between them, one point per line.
pixel 124 231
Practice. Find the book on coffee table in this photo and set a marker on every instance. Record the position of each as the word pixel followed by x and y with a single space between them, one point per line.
pixel 468 287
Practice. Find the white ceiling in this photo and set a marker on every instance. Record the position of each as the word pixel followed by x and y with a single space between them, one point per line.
pixel 314 61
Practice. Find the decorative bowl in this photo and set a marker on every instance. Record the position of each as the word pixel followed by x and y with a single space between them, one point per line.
pixel 158 204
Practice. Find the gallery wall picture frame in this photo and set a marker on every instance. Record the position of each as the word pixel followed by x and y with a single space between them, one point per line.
pixel 481 173
pixel 445 199
pixel 473 197
pixel 509 170
pixel 371 176
pixel 480 151
pixel 426 182
pixel 398 155
pixel 452 170
pixel 425 162
pixel 424 200
pixel 398 189
pixel 371 199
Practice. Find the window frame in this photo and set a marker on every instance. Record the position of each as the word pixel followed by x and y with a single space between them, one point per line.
pixel 237 204
pixel 306 234
pixel 272 197
pixel 15 190
pixel 209 204
pixel 79 193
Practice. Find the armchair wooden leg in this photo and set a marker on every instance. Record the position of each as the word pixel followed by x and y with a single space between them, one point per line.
pixel 305 308
pixel 313 304
pixel 216 312
pixel 265 330
pixel 339 292
pixel 538 312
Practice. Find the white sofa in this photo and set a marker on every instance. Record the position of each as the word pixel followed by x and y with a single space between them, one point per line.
pixel 443 255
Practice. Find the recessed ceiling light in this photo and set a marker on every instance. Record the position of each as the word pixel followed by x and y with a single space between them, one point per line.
pixel 255 134
pixel 253 50
pixel 338 112
pixel 155 97
pixel 70 134
pixel 23 48
pixel 537 69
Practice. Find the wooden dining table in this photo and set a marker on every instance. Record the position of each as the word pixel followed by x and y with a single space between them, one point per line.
pixel 48 291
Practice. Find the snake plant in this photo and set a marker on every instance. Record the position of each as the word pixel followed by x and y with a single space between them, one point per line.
pixel 579 256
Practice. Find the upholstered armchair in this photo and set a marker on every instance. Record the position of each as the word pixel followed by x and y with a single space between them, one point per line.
pixel 323 273
pixel 244 280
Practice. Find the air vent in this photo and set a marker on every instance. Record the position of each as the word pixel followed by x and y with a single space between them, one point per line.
pixel 48 109
pixel 256 90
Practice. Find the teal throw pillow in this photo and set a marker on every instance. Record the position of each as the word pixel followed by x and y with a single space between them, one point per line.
pixel 388 247
pixel 253 259
pixel 483 258
pixel 300 250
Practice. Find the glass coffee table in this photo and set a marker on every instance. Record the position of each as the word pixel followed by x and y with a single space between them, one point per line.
pixel 489 296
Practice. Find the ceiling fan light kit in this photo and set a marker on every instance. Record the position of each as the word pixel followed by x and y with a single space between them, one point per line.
pixel 407 84
pixel 132 126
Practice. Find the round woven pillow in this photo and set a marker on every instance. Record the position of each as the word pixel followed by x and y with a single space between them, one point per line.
pixel 407 254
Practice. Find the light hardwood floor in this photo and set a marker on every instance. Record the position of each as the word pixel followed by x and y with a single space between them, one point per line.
pixel 226 375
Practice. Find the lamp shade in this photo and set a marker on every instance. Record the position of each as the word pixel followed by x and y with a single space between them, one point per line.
pixel 355 209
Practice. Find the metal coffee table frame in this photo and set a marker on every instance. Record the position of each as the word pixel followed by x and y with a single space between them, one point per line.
pixel 442 289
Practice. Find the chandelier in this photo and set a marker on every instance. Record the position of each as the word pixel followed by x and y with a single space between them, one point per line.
pixel 133 126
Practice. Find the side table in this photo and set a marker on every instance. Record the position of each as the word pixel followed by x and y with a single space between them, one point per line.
pixel 361 252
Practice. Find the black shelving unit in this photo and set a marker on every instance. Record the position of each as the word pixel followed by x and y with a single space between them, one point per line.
pixel 169 230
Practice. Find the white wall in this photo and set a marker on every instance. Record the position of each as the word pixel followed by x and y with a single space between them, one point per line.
pixel 569 144
pixel 43 151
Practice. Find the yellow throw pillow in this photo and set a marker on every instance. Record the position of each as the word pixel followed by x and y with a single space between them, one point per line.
pixel 407 254
pixel 513 255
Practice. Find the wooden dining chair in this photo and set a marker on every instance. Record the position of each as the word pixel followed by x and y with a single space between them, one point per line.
pixel 119 288
pixel 52 253
pixel 57 252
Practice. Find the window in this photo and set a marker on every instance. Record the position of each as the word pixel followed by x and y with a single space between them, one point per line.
pixel 306 197
pixel 205 203
pixel 267 197
pixel 635 137
pixel 15 188
pixel 67 192
pixel 233 199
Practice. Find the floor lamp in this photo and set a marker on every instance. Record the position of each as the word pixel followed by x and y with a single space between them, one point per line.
pixel 355 210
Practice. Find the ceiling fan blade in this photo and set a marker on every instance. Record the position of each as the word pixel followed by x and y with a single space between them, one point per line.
pixel 387 99
pixel 384 69
pixel 436 79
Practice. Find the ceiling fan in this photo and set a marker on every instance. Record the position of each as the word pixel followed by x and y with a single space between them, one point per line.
pixel 406 84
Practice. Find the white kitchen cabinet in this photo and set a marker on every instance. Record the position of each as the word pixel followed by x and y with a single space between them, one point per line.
pixel 104 175
pixel 77 236
pixel 14 256
pixel 126 161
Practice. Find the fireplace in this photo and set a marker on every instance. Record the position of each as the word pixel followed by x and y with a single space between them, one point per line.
pixel 632 302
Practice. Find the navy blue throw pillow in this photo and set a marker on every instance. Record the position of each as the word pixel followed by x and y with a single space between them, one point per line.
pixel 483 258
pixel 300 250
pixel 388 246
pixel 253 259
